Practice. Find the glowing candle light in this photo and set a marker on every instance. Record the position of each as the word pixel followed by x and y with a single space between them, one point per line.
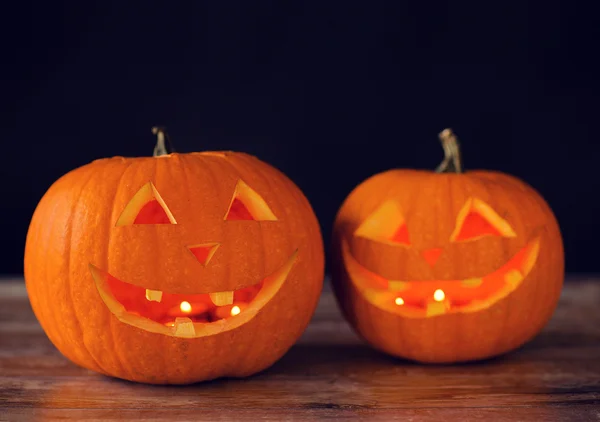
pixel 185 307
pixel 439 295
pixel 399 301
pixel 188 308
pixel 224 312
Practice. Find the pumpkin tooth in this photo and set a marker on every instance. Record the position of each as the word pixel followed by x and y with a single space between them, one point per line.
pixel 471 282
pixel 436 308
pixel 184 327
pixel 153 295
pixel 513 277
pixel 221 298
pixel 397 286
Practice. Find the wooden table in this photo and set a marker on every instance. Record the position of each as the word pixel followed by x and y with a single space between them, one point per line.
pixel 329 374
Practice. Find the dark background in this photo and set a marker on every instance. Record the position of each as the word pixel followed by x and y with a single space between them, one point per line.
pixel 329 92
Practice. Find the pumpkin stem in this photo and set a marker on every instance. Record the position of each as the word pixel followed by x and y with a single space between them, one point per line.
pixel 162 147
pixel 451 162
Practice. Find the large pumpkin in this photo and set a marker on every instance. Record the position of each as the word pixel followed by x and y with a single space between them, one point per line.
pixel 446 266
pixel 175 268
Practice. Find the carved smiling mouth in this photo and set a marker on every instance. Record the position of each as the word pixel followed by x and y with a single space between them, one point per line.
pixel 187 315
pixel 436 297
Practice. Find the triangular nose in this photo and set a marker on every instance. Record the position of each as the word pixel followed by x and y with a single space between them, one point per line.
pixel 432 255
pixel 204 252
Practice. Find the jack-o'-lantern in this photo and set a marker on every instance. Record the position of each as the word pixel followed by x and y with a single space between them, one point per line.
pixel 175 268
pixel 447 266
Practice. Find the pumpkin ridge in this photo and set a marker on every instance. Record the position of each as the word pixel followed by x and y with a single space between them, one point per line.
pixel 229 163
pixel 257 169
pixel 497 344
pixel 251 167
pixel 224 162
pixel 68 253
pixel 55 334
pixel 525 202
pixel 50 204
pixel 206 164
pixel 181 161
pixel 120 359
pixel 272 176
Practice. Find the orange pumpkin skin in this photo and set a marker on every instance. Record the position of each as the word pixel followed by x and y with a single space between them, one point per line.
pixel 74 229
pixel 429 204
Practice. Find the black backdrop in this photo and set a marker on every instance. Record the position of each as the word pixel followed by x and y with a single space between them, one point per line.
pixel 329 92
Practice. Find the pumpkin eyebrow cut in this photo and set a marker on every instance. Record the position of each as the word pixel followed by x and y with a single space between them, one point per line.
pixel 477 219
pixel 386 224
pixel 247 204
pixel 146 207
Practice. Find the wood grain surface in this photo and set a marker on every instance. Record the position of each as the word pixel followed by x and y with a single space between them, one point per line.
pixel 329 374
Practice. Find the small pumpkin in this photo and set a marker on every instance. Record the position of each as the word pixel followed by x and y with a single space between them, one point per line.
pixel 447 266
pixel 175 268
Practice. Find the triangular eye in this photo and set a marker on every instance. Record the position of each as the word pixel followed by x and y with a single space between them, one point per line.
pixel 146 207
pixel 385 224
pixel 477 219
pixel 246 204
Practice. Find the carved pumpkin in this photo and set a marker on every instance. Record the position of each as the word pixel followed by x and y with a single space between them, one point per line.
pixel 175 268
pixel 446 267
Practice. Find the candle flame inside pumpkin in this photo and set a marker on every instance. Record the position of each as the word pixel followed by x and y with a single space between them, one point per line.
pixel 185 307
pixel 439 295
